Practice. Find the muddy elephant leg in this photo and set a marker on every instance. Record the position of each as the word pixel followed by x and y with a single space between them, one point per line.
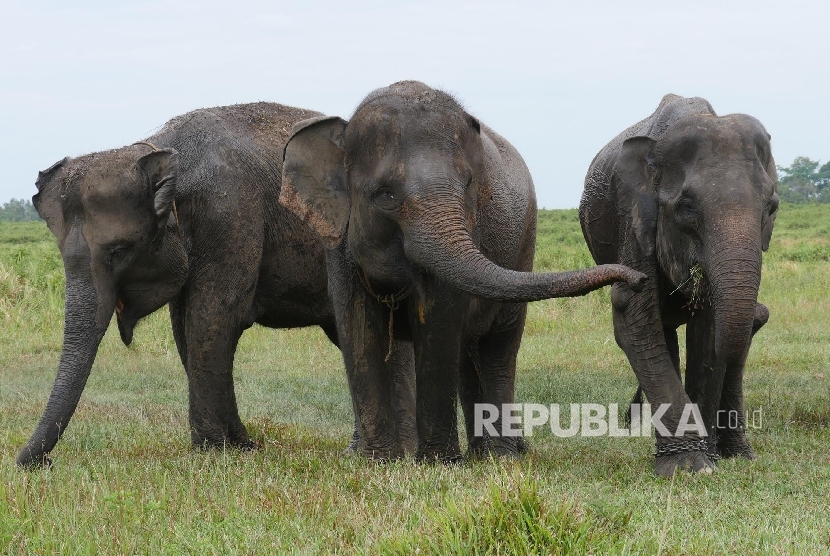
pixel 364 343
pixel 213 325
pixel 732 441
pixel 402 370
pixel 437 345
pixel 638 331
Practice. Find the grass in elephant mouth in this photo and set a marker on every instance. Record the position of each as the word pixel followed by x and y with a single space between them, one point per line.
pixel 697 279
pixel 126 481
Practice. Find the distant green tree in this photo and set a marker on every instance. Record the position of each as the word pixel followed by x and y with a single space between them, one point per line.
pixel 18 210
pixel 804 181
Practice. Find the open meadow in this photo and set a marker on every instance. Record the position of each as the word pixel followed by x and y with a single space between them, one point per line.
pixel 125 480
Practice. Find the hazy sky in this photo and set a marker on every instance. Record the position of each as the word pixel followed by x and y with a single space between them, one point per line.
pixel 557 79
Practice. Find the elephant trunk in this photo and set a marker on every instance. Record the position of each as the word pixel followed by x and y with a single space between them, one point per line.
pixel 734 279
pixel 438 241
pixel 86 319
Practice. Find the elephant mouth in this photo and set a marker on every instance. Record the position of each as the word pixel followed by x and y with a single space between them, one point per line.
pixel 126 322
pixel 694 286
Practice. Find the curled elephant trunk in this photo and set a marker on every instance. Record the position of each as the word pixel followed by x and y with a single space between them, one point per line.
pixel 442 244
pixel 86 320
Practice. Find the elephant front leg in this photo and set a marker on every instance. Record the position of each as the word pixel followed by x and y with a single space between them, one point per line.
pixel 402 370
pixel 489 376
pixel 437 344
pixel 704 374
pixel 732 441
pixel 364 344
pixel 211 336
pixel 639 332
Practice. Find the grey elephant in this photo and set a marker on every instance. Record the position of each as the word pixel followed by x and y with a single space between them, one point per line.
pixel 429 218
pixel 188 217
pixel 689 198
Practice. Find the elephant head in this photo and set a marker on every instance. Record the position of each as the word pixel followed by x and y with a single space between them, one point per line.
pixel 407 178
pixel 109 212
pixel 703 196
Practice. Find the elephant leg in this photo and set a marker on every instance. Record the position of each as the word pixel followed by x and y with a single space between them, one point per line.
pixel 732 441
pixel 471 392
pixel 213 326
pixel 402 370
pixel 363 339
pixel 177 320
pixel 704 376
pixel 498 350
pixel 640 334
pixel 674 348
pixel 437 345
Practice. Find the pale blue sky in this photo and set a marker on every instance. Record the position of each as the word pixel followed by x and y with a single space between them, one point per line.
pixel 557 79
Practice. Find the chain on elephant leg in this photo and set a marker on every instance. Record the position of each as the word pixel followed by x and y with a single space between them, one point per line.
pixel 686 455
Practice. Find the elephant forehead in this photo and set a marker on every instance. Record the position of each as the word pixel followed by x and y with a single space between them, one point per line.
pixel 109 180
pixel 725 134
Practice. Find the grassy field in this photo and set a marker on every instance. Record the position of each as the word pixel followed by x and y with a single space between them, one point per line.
pixel 125 480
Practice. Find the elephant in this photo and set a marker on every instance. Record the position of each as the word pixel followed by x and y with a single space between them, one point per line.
pixel 429 222
pixel 188 217
pixel 688 198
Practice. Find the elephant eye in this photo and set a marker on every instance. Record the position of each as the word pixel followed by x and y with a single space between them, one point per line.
pixel 118 254
pixel 386 199
pixel 686 213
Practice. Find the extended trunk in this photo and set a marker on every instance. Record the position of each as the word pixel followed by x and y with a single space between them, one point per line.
pixel 449 252
pixel 83 331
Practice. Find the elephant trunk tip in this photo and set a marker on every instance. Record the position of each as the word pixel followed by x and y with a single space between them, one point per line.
pixel 31 460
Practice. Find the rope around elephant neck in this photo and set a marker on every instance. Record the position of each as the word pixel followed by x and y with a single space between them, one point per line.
pixel 392 301
pixel 175 212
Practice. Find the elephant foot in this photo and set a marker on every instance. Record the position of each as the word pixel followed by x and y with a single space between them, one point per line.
pixel 227 444
pixel 444 454
pixel 484 447
pixel 739 449
pixel 380 456
pixel 239 441
pixel 352 447
pixel 43 461
pixel 250 445
pixel 688 455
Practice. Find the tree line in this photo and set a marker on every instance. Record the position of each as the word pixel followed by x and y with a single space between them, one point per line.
pixel 18 210
pixel 804 181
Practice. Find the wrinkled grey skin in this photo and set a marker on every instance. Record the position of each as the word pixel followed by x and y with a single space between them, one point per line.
pixel 229 256
pixel 680 188
pixel 416 200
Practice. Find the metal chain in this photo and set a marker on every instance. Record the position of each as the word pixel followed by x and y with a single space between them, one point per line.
pixel 671 448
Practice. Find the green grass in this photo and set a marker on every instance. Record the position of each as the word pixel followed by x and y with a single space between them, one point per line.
pixel 125 480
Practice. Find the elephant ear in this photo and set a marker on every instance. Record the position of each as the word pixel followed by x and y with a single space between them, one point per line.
pixel 771 211
pixel 48 206
pixel 314 185
pixel 768 221
pixel 635 172
pixel 160 169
